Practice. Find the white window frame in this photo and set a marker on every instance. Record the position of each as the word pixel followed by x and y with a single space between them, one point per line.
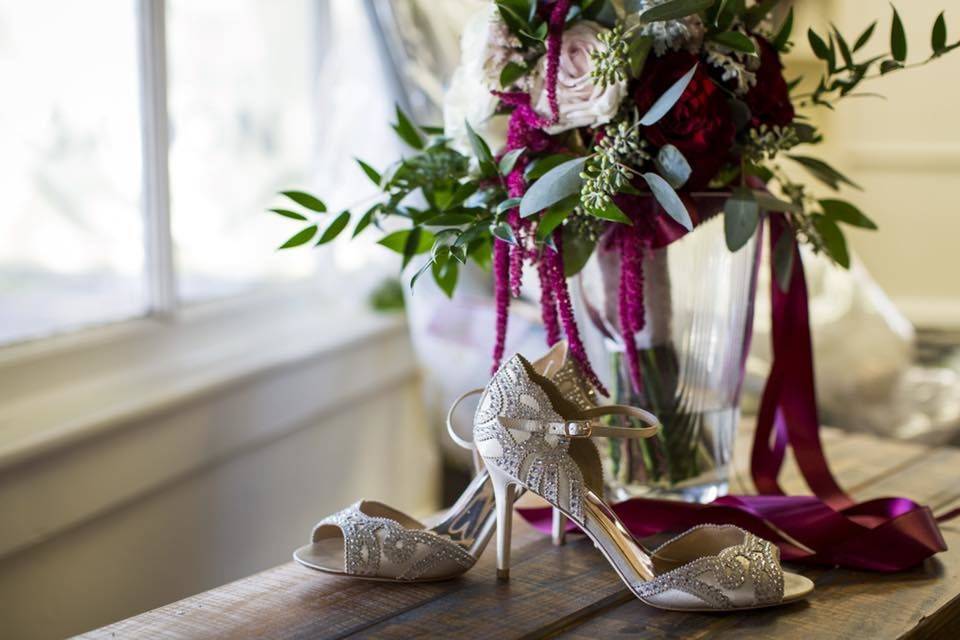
pixel 57 390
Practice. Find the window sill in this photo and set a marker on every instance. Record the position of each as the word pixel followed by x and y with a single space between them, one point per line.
pixel 59 391
pixel 92 421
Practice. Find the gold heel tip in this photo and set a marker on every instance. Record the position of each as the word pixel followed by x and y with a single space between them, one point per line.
pixel 503 574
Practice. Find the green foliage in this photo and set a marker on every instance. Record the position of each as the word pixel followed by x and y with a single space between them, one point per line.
pixel 387 297
pixel 783 258
pixel 334 228
pixel 302 237
pixel 845 73
pixel 674 9
pixel 440 208
pixel 555 185
pixel 306 200
pixel 741 215
pixel 824 172
pixel 408 131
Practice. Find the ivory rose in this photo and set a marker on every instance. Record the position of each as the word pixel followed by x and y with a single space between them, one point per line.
pixel 486 46
pixel 581 101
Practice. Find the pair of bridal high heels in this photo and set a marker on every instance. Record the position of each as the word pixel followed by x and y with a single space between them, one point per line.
pixel 532 432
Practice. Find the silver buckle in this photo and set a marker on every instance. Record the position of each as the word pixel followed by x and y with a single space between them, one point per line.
pixel 578 429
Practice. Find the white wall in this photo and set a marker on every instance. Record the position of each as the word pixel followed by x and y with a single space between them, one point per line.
pixel 904 151
pixel 243 510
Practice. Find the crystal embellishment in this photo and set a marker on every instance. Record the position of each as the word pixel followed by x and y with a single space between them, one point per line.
pixel 711 578
pixel 370 542
pixel 540 461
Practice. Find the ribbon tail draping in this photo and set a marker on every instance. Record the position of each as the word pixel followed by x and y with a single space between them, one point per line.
pixel 789 406
pixel 827 528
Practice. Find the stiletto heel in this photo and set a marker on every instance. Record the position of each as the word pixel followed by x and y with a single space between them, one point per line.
pixel 504 494
pixel 373 541
pixel 559 528
pixel 530 434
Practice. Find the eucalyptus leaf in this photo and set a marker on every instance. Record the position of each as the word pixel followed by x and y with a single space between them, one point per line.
pixel 669 98
pixel 674 10
pixel 741 215
pixel 844 48
pixel 782 39
pixel 445 275
pixel 398 240
pixel 577 249
pixel 413 244
pixel 334 228
pixel 784 252
pixel 511 73
pixel 833 240
pixel 509 160
pixel 506 205
pixel 408 131
pixel 611 212
pixel 302 237
pixel 889 65
pixel 938 37
pixel 843 211
pixel 638 53
pixel 820 48
pixel 480 148
pixel 823 172
pixel 539 167
pixel 673 166
pixel 669 200
pixel 365 220
pixel 504 232
pixel 370 171
pixel 774 205
pixel 306 200
pixel 293 215
pixel 449 220
pixel 558 183
pixel 735 40
pixel 554 217
pixel 422 270
pixel 898 38
pixel 865 36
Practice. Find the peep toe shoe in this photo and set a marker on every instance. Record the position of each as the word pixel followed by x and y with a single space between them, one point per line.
pixel 530 436
pixel 373 541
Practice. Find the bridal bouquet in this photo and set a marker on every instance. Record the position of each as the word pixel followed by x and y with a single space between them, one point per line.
pixel 576 122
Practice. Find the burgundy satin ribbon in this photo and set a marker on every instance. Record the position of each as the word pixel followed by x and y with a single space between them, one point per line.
pixel 827 528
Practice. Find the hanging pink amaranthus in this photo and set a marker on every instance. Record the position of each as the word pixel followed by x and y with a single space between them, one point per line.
pixel 631 299
pixel 525 131
pixel 501 297
pixel 557 284
pixel 548 303
pixel 555 24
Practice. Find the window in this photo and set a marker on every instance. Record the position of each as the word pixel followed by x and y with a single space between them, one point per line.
pixel 139 154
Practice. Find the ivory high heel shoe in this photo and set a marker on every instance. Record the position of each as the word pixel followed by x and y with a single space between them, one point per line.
pixel 374 541
pixel 559 367
pixel 530 436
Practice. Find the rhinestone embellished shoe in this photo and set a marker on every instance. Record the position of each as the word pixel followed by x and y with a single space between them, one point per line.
pixel 530 436
pixel 566 374
pixel 374 541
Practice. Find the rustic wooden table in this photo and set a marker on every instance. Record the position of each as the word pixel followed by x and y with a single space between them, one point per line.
pixel 570 592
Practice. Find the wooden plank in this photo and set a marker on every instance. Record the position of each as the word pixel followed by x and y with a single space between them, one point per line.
pixel 572 592
pixel 846 604
pixel 290 601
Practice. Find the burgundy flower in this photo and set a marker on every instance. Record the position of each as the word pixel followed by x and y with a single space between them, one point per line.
pixel 699 125
pixel 769 99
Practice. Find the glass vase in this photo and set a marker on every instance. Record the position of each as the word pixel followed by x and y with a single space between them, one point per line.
pixel 698 301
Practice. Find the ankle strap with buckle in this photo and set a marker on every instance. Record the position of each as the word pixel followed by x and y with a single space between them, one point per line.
pixel 589 428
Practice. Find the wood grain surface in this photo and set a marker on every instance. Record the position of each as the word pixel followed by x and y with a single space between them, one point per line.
pixel 570 592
